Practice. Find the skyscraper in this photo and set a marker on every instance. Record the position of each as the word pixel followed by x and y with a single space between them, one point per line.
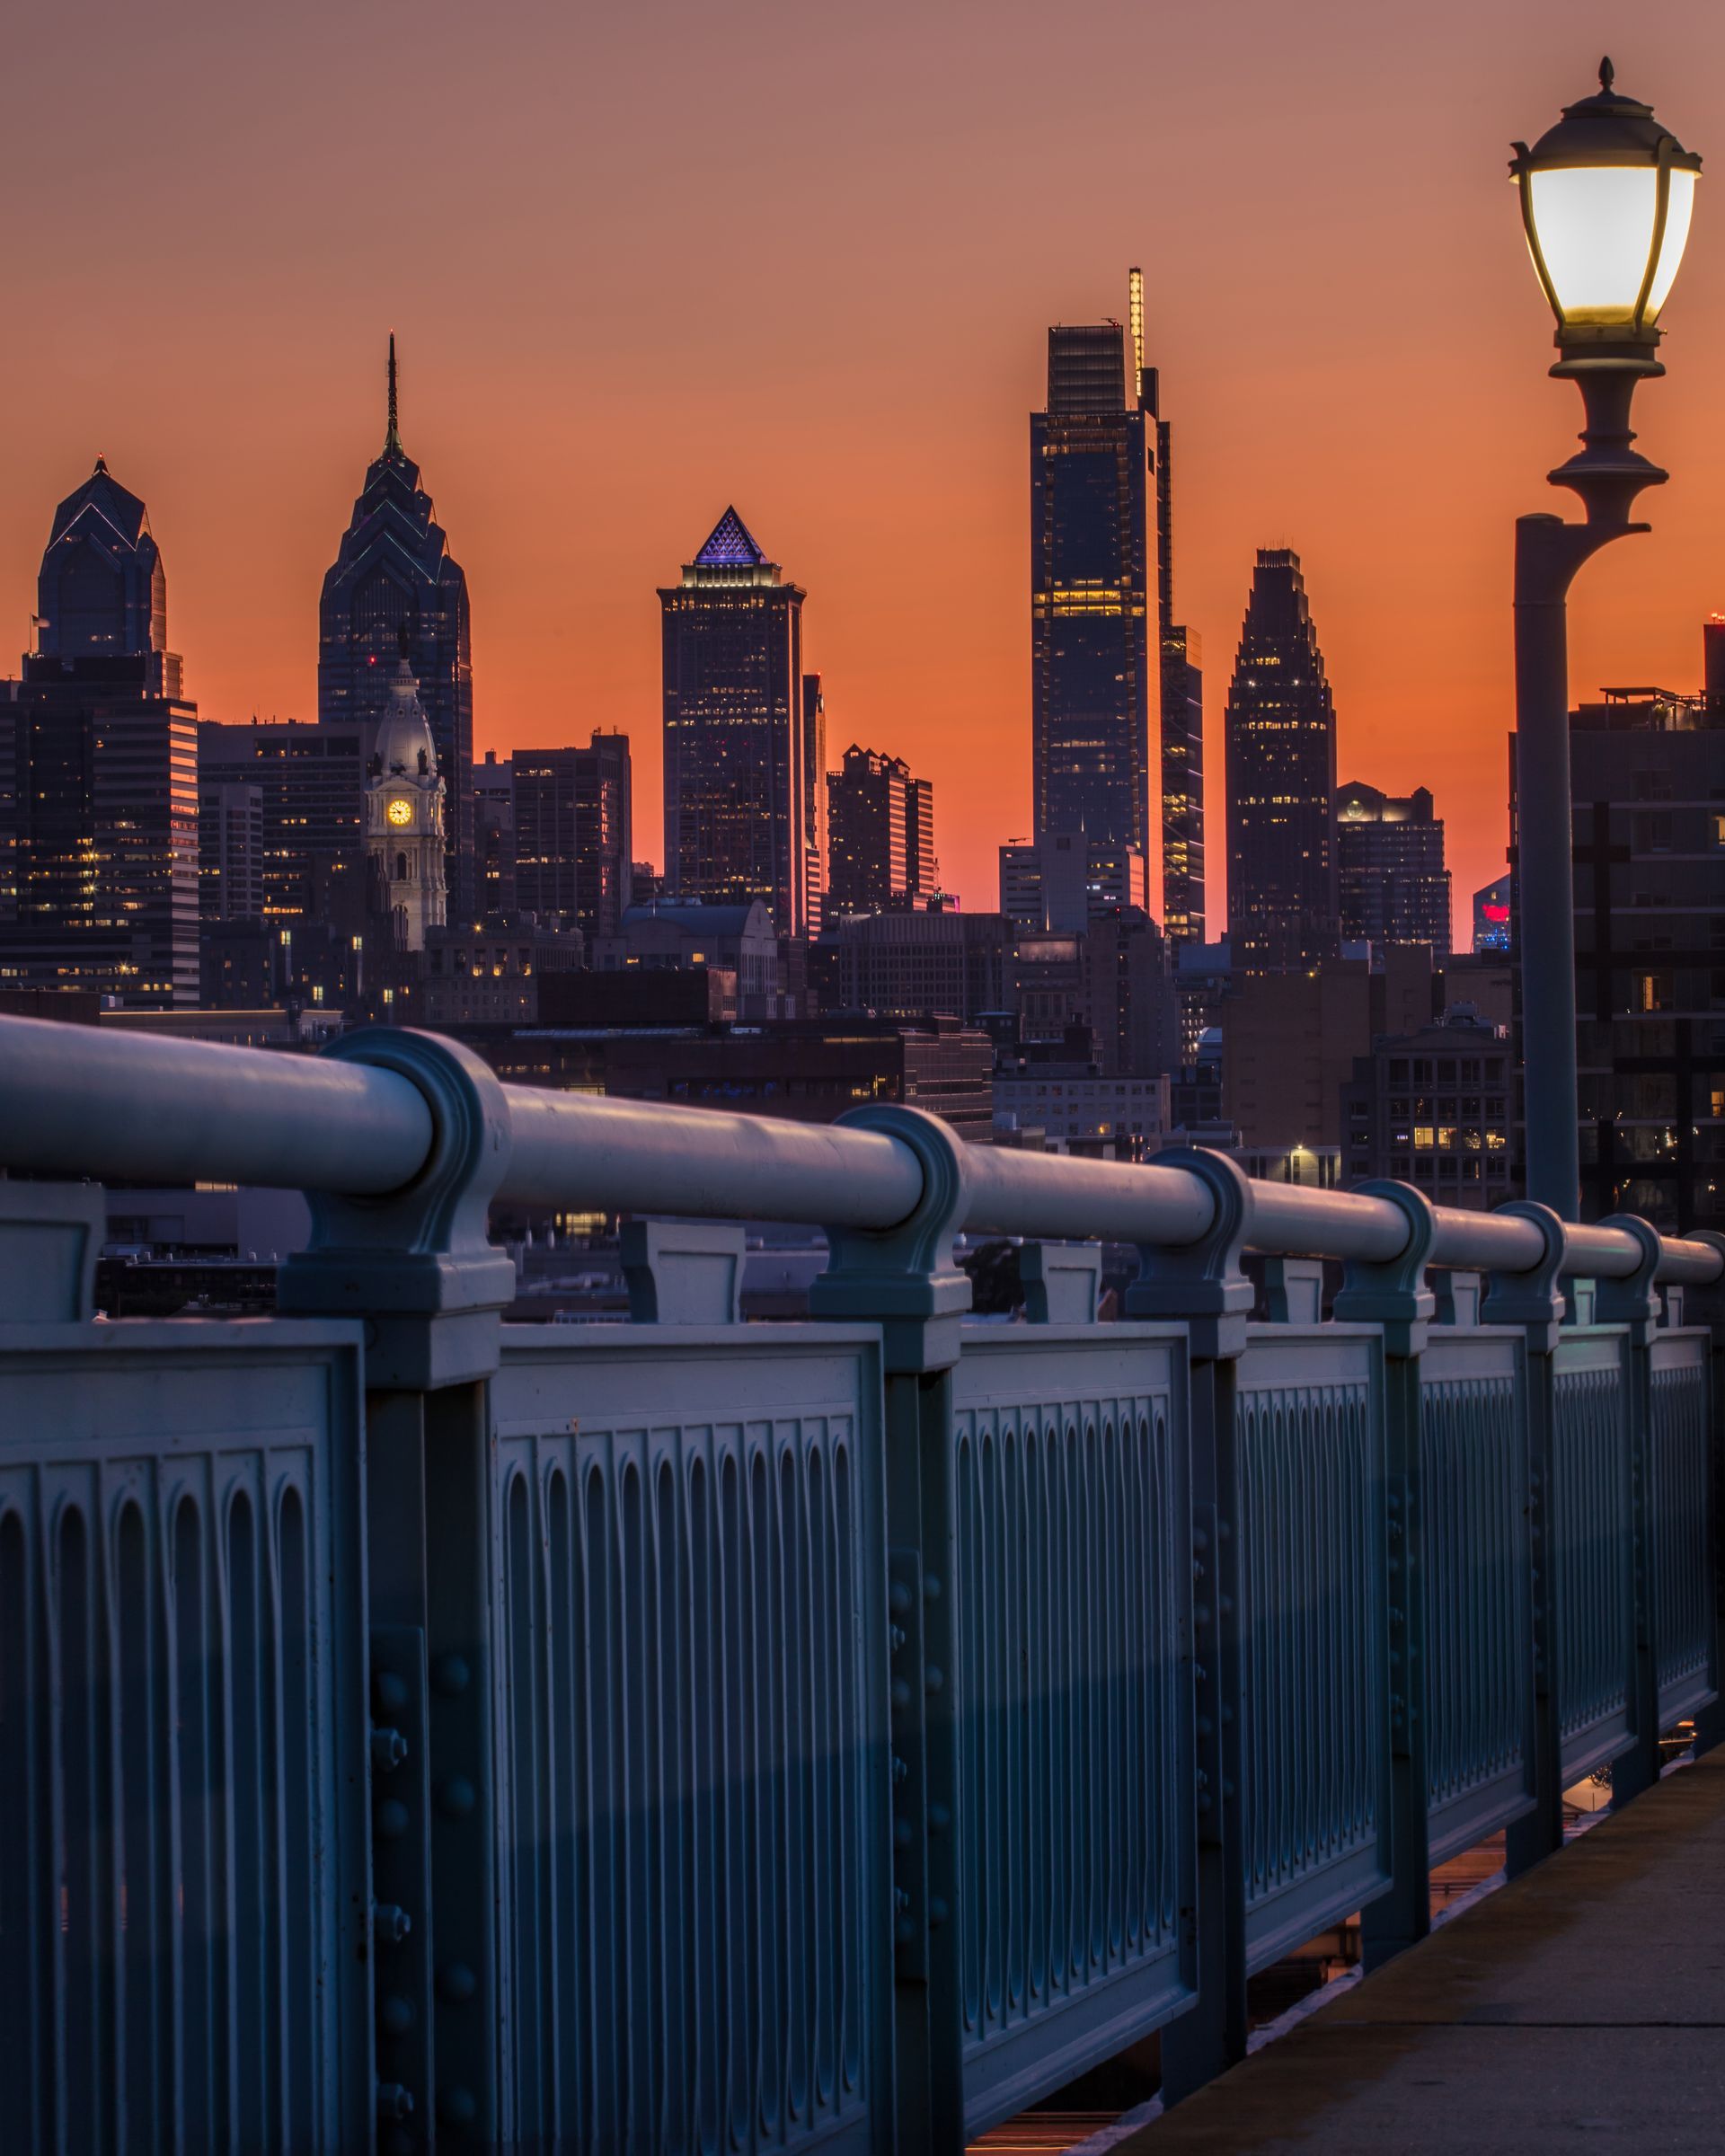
pixel 1091 665
pixel 1179 680
pixel 572 826
pixel 99 784
pixel 394 573
pixel 102 592
pixel 735 769
pixel 1390 871
pixel 1283 910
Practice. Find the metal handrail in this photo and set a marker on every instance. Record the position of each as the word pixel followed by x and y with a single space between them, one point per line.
pixel 75 1100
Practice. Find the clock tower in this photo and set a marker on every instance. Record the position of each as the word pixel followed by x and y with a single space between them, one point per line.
pixel 405 800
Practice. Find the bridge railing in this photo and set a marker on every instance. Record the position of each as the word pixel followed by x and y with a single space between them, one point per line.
pixel 840 1733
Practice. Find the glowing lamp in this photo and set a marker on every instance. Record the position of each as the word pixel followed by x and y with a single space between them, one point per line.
pixel 1607 198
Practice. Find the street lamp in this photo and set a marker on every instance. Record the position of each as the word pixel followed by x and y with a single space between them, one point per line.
pixel 1606 197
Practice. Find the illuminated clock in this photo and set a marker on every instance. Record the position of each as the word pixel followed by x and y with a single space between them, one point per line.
pixel 400 812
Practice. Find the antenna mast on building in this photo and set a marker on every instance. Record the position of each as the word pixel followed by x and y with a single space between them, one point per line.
pixel 1135 317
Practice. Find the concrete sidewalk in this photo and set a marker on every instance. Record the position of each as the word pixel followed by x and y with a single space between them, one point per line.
pixel 1583 2006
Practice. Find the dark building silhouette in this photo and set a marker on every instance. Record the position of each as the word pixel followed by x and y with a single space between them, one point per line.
pixel 99 771
pixel 311 787
pixel 737 773
pixel 394 574
pixel 1646 789
pixel 1181 686
pixel 102 592
pixel 814 802
pixel 1432 1108
pixel 881 834
pixel 1283 911
pixel 1091 661
pixel 493 783
pixel 1390 871
pixel 573 832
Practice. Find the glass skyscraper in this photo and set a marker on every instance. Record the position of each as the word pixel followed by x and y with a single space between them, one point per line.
pixel 393 573
pixel 1283 899
pixel 737 773
pixel 99 771
pixel 1091 659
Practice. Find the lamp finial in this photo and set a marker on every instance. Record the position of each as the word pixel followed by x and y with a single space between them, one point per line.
pixel 1608 75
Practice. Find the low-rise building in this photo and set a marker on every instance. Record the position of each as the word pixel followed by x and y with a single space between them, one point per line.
pixel 1433 1108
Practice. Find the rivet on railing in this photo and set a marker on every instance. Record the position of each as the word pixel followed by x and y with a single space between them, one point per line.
pixel 450 1675
pixel 456 2108
pixel 391 1819
pixel 388 1749
pixel 394 2101
pixel 457 1797
pixel 390 1923
pixel 456 1982
pixel 395 2014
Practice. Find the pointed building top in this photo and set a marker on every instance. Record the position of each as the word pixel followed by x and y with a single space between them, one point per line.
pixel 391 440
pixel 731 545
pixel 100 471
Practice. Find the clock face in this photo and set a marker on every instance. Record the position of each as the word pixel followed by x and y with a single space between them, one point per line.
pixel 400 812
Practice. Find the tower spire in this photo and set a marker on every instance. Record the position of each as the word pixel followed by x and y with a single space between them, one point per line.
pixel 393 440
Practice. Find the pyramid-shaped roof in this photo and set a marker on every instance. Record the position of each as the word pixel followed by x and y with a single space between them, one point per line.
pixel 731 545
pixel 110 501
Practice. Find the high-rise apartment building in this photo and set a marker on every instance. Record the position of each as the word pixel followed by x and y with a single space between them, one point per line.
pixel 98 796
pixel 880 835
pixel 393 573
pixel 736 775
pixel 1091 659
pixel 1283 902
pixel 573 823
pixel 1390 871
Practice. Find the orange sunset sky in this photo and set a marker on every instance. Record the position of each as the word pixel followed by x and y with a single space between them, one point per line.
pixel 647 261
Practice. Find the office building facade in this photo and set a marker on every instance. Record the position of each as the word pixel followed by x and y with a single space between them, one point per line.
pixel 573 813
pixel 1180 684
pixel 1391 879
pixel 394 574
pixel 736 778
pixel 311 785
pixel 1055 884
pixel 880 835
pixel 1092 662
pixel 1283 899
pixel 99 771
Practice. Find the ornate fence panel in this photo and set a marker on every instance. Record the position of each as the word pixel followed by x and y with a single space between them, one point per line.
pixel 1314 1630
pixel 184 1896
pixel 691 1680
pixel 1478 1689
pixel 1592 1546
pixel 1073 1576
pixel 1680 1523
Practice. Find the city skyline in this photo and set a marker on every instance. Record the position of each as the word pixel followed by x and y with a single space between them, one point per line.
pixel 578 427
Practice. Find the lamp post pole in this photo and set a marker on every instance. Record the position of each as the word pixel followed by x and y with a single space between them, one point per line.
pixel 1606 200
pixel 1607 475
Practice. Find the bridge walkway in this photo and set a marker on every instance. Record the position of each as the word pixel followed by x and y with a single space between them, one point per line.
pixel 1580 2007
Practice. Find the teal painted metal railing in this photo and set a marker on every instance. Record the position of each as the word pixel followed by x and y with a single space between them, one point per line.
pixel 840 1733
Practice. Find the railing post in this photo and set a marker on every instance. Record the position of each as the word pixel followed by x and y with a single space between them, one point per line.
pixel 1203 1285
pixel 903 1279
pixel 417 1266
pixel 1394 1295
pixel 1533 1301
pixel 1633 1303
